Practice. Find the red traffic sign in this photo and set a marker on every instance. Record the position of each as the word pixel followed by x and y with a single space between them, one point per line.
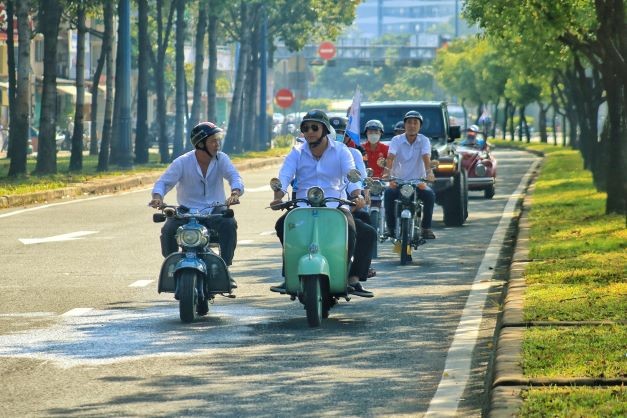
pixel 327 50
pixel 284 98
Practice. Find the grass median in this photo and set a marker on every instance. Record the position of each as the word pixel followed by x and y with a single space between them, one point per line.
pixel 64 178
pixel 577 272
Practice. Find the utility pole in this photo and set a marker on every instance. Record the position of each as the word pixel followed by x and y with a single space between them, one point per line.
pixel 124 49
pixel 263 93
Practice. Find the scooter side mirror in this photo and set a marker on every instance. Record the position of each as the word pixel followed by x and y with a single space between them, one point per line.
pixel 354 175
pixel 275 184
pixel 158 217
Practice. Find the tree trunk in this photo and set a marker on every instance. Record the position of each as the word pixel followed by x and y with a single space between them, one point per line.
pixel 12 74
pixel 103 156
pixel 496 117
pixel 201 27
pixel 21 113
pixel 50 11
pixel 213 66
pixel 233 141
pixel 249 136
pixel 542 122
pixel 76 157
pixel 93 135
pixel 181 96
pixel 143 76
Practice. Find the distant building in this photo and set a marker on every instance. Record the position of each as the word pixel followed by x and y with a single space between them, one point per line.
pixel 378 17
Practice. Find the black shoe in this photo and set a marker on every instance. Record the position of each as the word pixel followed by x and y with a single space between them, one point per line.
pixel 427 234
pixel 358 290
pixel 202 308
pixel 280 288
pixel 233 284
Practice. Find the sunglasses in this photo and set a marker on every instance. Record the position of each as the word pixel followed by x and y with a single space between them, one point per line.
pixel 305 128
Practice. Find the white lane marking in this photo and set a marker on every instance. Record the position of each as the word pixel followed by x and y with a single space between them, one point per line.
pixel 56 238
pixel 105 337
pixel 458 360
pixel 265 188
pixel 27 315
pixel 17 212
pixel 268 233
pixel 78 311
pixel 245 242
pixel 141 283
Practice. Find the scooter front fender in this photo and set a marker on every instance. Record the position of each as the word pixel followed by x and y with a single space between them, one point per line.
pixel 174 263
pixel 313 264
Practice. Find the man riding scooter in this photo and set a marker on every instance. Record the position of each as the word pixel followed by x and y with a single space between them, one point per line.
pixel 321 161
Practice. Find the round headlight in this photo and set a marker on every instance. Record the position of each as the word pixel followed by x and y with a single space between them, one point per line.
pixel 376 187
pixel 191 237
pixel 407 190
pixel 315 195
pixel 480 170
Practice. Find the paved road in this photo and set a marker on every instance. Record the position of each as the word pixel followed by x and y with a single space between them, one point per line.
pixel 84 333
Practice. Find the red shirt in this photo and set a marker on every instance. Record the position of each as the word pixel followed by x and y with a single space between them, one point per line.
pixel 373 154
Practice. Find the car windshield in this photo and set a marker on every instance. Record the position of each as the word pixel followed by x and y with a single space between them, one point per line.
pixel 389 116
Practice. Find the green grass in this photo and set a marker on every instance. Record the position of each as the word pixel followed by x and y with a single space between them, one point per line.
pixel 574 402
pixel 583 351
pixel 577 272
pixel 64 178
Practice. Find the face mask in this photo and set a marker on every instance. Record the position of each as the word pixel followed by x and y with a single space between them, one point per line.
pixel 339 137
pixel 373 138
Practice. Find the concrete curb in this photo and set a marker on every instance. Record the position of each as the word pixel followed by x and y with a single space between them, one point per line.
pixel 111 185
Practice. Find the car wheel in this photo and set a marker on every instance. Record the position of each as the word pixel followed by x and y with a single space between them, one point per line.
pixel 489 192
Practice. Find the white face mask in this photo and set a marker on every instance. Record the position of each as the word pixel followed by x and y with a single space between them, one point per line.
pixel 373 138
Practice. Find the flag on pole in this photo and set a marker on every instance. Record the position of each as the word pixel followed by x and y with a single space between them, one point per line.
pixel 352 129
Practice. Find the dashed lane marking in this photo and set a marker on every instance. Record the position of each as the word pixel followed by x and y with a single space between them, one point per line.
pixel 77 311
pixel 141 283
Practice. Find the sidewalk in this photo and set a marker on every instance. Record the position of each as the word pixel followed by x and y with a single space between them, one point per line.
pixel 111 185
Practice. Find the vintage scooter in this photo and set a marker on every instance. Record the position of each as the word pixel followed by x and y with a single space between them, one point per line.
pixel 315 251
pixel 195 274
pixel 376 210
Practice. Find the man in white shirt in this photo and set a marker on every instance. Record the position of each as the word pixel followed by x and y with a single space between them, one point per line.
pixel 198 176
pixel 321 161
pixel 409 158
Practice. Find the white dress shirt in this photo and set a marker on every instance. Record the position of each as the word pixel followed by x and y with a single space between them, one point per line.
pixel 408 163
pixel 192 188
pixel 329 172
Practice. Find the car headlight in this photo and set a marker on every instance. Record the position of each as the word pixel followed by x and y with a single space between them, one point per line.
pixel 481 170
pixel 407 190
pixel 315 195
pixel 376 188
pixel 192 237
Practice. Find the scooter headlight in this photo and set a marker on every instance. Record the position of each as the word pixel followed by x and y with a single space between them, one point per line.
pixel 192 237
pixel 480 170
pixel 376 188
pixel 407 190
pixel 315 195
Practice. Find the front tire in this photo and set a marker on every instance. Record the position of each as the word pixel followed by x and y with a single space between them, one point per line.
pixel 374 222
pixel 187 296
pixel 313 299
pixel 404 241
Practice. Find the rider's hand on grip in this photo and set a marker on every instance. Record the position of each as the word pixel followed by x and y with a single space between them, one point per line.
pixel 156 203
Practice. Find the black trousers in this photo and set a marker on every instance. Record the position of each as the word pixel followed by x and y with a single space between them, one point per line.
pixel 361 238
pixel 226 228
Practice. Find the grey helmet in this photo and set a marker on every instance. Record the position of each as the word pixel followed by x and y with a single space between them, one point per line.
pixel 412 114
pixel 374 124
pixel 202 131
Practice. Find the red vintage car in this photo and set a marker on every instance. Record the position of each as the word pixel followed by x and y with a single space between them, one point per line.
pixel 480 165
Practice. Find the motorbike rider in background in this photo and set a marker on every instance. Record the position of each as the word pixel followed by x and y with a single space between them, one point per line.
pixel 399 128
pixel 376 152
pixel 324 162
pixel 472 139
pixel 409 158
pixel 198 176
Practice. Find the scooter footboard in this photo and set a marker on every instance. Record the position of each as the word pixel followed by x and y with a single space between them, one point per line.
pixel 217 273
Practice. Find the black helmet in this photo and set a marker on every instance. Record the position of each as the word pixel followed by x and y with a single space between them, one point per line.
pixel 400 126
pixel 412 114
pixel 203 131
pixel 317 115
pixel 374 124
pixel 338 123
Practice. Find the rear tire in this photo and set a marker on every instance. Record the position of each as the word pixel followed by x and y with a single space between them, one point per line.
pixel 188 296
pixel 489 192
pixel 404 241
pixel 313 299
pixel 454 202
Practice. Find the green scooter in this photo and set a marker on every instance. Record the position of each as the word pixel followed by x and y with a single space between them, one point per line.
pixel 315 251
